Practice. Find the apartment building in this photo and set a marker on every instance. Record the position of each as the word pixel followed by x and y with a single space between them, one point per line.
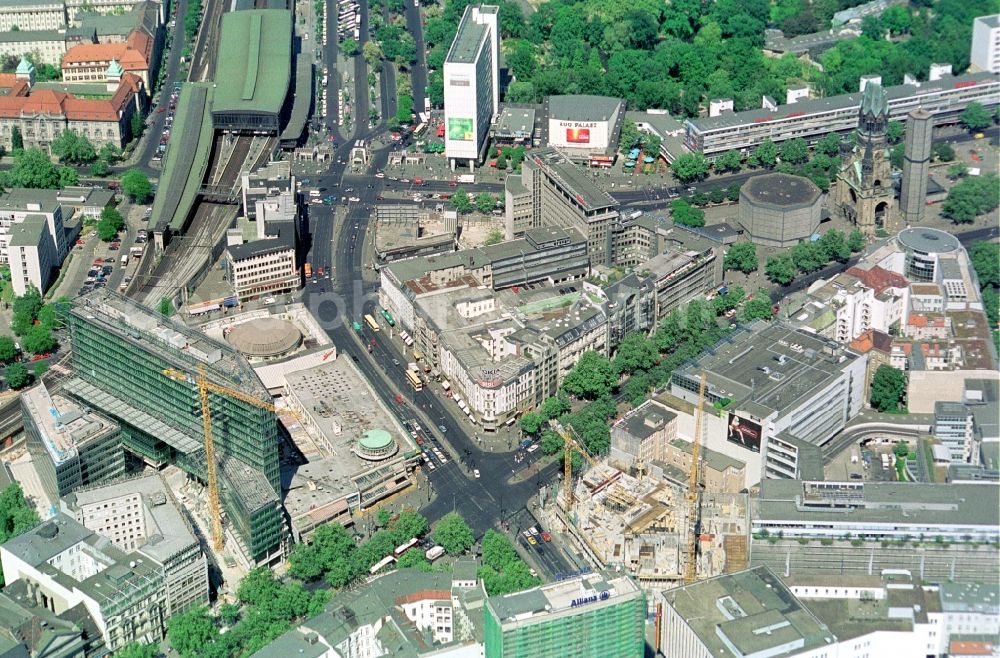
pixel 30 255
pixel 97 62
pixel 161 418
pixel 47 46
pixel 140 514
pixel 70 446
pixel 472 84
pixel 32 15
pixel 811 119
pixel 64 565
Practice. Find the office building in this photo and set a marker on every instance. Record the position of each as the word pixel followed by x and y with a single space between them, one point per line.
pixel 916 165
pixel 28 630
pixel 120 352
pixel 472 85
pixel 812 119
pixel 261 256
pixel 773 378
pixel 140 514
pixel 31 16
pixel 953 426
pixel 70 446
pixel 589 616
pixel 559 193
pixel 48 46
pixel 985 53
pixel 405 613
pixel 63 566
pixel 30 255
pixel 865 196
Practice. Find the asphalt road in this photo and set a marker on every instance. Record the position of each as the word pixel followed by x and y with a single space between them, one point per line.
pixel 172 64
pixel 418 70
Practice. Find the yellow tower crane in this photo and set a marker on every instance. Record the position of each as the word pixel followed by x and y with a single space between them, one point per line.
pixel 694 485
pixel 204 386
pixel 569 445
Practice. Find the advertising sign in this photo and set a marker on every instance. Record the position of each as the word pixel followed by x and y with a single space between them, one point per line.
pixel 578 135
pixel 744 432
pixel 460 130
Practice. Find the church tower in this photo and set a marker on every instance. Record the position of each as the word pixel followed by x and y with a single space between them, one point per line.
pixel 864 185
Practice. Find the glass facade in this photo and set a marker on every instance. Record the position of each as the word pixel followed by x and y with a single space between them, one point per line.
pixel 589 631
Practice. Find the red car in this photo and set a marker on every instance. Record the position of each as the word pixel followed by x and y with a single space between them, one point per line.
pixel 546 536
pixel 162 109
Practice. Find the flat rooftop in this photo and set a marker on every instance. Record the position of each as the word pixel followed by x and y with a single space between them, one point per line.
pixel 898 503
pixel 175 342
pixel 781 190
pixel 770 366
pixel 167 531
pixel 254 62
pixel 584 107
pixel 64 425
pixel 562 596
pixel 928 240
pixel 747 613
pixel 833 103
pixel 515 121
pixel 470 36
pixel 572 179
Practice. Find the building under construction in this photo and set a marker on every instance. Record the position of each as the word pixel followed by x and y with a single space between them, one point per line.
pixel 121 351
pixel 641 524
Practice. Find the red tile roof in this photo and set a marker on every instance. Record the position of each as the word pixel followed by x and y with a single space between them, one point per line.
pixel 879 278
pixel 133 55
pixel 970 648
pixel 59 103
pixel 872 340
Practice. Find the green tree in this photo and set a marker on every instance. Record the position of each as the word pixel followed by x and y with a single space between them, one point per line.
pixel 229 613
pixel 16 139
pixel 554 407
pixel 100 168
pixel 16 516
pixel 985 258
pixel 17 376
pixel 871 27
pixel 350 47
pixel 460 201
pixel 33 169
pixel 503 571
pixel 551 442
pixel 38 340
pixel 856 241
pixel 958 170
pixel 758 308
pixel 165 307
pixel 897 20
pixel 110 223
pixel 975 117
pixel 413 559
pixel 728 300
pixel 485 202
pixel 765 155
pixel 25 310
pixel 629 137
pixel 138 650
pixel 74 148
pixel 635 353
pixel 453 534
pixel 780 269
pixel 8 350
pixel 895 131
pixel 495 237
pixel 683 213
pixel 191 631
pixel 742 257
pixel 888 388
pixel 136 125
pixel 896 154
pixel 829 145
pixel 41 367
pixel 372 53
pixel 808 256
pixel 794 151
pixel 834 246
pixel 973 196
pixel 733 192
pixel 258 587
pixel 731 160
pixel 531 422
pixel 110 153
pixel 636 388
pixel 690 167
pixel 136 186
pixel 591 377
pixel 943 152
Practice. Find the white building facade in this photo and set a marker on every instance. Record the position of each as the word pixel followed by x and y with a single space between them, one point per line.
pixel 985 52
pixel 471 84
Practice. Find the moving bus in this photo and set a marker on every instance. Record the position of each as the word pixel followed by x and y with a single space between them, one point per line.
pixel 388 318
pixel 381 564
pixel 402 548
pixel 414 380
pixel 370 321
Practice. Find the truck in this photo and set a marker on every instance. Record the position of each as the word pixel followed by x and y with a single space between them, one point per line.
pixel 467 178
pixel 412 367
pixel 309 270
pixel 124 260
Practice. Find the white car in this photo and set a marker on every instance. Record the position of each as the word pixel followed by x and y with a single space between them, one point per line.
pixel 475 472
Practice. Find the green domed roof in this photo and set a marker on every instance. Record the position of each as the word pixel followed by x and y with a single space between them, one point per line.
pixel 115 69
pixel 376 440
pixel 24 67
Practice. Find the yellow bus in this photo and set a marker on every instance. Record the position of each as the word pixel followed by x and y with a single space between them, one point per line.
pixel 370 321
pixel 414 380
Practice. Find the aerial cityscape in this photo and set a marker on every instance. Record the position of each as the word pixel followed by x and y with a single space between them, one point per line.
pixel 535 329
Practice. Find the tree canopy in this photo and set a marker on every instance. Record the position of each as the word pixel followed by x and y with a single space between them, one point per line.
pixel 503 571
pixel 591 377
pixel 973 196
pixel 684 214
pixel 888 388
pixel 137 186
pixel 742 257
pixel 453 534
pixel 16 517
pixel 33 169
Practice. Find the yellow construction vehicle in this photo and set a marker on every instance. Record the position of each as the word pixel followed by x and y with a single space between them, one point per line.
pixel 694 485
pixel 204 386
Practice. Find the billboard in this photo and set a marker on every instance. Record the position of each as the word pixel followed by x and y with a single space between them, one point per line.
pixel 744 432
pixel 461 130
pixel 578 135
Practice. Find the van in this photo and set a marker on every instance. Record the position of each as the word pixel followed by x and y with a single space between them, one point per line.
pixel 314 193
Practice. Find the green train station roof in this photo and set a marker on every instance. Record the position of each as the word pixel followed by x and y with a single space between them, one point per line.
pixel 254 65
